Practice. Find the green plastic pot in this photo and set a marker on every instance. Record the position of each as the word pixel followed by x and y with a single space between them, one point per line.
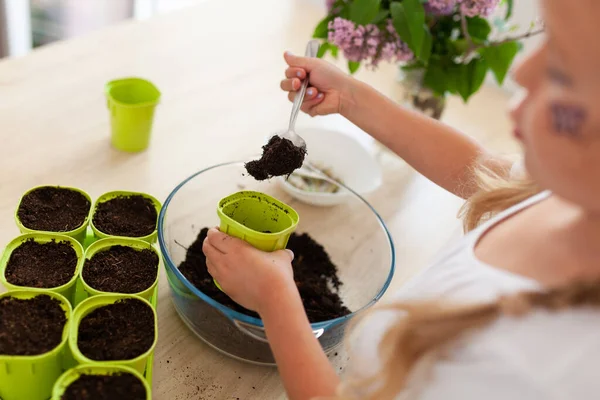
pixel 257 218
pixel 151 238
pixel 105 244
pixel 131 102
pixel 78 234
pixel 89 305
pixel 32 377
pixel 68 289
pixel 73 374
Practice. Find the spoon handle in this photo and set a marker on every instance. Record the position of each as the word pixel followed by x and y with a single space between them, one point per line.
pixel 311 51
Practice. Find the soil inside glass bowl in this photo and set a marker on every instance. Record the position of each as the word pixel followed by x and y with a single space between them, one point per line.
pixel 314 273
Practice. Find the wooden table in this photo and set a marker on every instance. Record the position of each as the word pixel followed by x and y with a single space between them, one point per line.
pixel 219 70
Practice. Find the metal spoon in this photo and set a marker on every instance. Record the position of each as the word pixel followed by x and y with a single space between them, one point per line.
pixel 311 51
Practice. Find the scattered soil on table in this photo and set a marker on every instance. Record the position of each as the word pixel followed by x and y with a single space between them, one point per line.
pixel 121 269
pixel 41 265
pixel 119 331
pixel 314 272
pixel 280 157
pixel 133 216
pixel 53 209
pixel 30 327
pixel 118 386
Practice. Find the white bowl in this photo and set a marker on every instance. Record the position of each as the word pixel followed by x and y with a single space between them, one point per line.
pixel 347 159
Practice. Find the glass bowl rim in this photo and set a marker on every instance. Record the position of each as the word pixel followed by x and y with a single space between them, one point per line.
pixel 236 315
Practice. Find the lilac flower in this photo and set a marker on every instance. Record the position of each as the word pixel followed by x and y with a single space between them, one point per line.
pixel 394 49
pixel 367 42
pixel 483 8
pixel 440 7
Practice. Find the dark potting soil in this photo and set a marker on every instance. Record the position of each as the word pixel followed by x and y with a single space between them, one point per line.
pixel 133 216
pixel 314 273
pixel 121 269
pixel 53 209
pixel 30 327
pixel 118 386
pixel 280 157
pixel 41 265
pixel 119 331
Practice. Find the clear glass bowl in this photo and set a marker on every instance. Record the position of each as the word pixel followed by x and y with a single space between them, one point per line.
pixel 352 233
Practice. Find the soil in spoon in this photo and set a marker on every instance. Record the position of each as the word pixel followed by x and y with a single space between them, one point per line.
pixel 280 158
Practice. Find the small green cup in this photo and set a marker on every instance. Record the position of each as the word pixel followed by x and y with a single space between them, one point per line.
pixel 78 233
pixel 131 102
pixel 32 377
pixel 89 305
pixel 257 218
pixel 73 374
pixel 105 244
pixel 151 238
pixel 68 289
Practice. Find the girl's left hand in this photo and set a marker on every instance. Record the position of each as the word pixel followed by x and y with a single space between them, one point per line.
pixel 252 278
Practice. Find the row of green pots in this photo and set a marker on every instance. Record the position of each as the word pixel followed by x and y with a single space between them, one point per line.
pixel 68 289
pixel 80 233
pixel 48 375
pixel 37 377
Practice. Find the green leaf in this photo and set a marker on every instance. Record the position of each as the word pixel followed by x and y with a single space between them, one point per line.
pixel 509 9
pixel 437 79
pixel 409 20
pixel 322 29
pixel 363 12
pixel 353 66
pixel 381 16
pixel 427 46
pixel 325 47
pixel 334 51
pixel 479 28
pixel 500 58
pixel 468 78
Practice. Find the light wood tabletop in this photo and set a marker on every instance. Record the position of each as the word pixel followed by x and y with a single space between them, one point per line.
pixel 218 65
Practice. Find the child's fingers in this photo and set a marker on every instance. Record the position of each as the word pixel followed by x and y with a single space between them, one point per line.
pixel 294 72
pixel 210 251
pixel 219 241
pixel 311 93
pixel 309 106
pixel 290 85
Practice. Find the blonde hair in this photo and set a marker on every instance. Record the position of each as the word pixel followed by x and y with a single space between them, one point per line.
pixel 427 329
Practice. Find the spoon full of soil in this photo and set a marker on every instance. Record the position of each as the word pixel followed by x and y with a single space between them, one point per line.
pixel 285 151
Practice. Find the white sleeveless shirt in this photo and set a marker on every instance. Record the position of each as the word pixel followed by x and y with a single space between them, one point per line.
pixel 540 356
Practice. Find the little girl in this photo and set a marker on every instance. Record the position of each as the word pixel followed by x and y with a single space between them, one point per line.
pixel 533 250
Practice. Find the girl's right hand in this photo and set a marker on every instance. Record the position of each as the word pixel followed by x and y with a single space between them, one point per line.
pixel 329 87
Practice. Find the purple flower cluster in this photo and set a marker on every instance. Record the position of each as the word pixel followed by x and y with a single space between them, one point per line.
pixel 440 7
pixel 473 8
pixel 367 42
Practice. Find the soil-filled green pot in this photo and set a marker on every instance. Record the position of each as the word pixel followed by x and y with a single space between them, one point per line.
pixel 73 374
pixel 67 289
pixel 78 233
pixel 91 304
pixel 105 244
pixel 32 377
pixel 98 233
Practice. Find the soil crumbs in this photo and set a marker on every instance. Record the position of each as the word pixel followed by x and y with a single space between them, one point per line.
pixel 314 273
pixel 119 331
pixel 280 158
pixel 133 216
pixel 30 327
pixel 118 386
pixel 53 209
pixel 41 265
pixel 121 269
